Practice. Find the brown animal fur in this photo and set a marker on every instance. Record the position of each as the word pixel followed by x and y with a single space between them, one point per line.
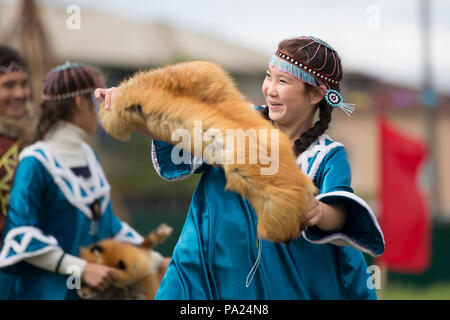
pixel 137 276
pixel 173 97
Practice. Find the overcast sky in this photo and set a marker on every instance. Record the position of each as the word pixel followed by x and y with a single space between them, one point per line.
pixel 380 37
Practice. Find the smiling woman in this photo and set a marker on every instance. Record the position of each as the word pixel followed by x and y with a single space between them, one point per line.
pixel 221 253
pixel 289 102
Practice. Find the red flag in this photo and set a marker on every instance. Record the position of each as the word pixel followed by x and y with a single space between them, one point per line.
pixel 404 216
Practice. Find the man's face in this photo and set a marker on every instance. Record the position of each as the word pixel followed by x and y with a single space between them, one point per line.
pixel 14 93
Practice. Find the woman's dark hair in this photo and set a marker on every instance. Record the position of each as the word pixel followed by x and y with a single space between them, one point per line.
pixel 318 56
pixel 8 55
pixel 51 112
pixel 59 90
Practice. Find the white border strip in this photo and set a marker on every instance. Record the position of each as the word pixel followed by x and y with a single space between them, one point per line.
pixel 28 234
pixel 62 174
pixel 320 148
pixel 196 163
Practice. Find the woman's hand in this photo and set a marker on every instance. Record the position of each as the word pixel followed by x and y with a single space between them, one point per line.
pixel 98 276
pixel 314 214
pixel 327 218
pixel 108 95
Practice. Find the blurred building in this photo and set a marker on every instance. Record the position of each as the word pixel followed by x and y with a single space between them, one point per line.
pixel 403 106
pixel 121 46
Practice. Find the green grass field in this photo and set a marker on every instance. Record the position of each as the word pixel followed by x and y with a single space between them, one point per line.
pixel 408 292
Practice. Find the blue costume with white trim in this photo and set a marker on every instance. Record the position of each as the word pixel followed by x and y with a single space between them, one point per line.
pixel 218 257
pixel 49 209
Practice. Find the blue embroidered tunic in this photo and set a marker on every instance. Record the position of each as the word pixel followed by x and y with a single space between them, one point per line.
pixel 218 257
pixel 49 209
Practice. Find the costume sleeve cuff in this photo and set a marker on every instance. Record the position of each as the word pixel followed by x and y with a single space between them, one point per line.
pixel 164 166
pixel 69 264
pixel 361 229
pixel 58 261
pixel 47 261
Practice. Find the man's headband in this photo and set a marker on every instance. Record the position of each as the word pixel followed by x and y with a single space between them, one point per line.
pixel 13 66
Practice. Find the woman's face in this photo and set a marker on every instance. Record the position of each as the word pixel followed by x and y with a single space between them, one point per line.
pixel 289 103
pixel 86 117
pixel 93 114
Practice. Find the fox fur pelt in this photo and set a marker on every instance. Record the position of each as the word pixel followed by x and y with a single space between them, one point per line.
pixel 162 100
pixel 137 276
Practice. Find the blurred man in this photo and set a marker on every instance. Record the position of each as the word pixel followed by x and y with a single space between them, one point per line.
pixel 16 118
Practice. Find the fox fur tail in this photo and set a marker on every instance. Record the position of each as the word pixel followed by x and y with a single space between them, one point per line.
pixel 176 97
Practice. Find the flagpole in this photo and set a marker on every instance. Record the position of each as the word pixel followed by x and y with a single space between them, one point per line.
pixel 382 292
pixel 383 282
pixel 429 102
pixel 380 114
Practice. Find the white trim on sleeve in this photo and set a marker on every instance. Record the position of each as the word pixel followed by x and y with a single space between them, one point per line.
pixel 20 248
pixel 196 163
pixel 341 239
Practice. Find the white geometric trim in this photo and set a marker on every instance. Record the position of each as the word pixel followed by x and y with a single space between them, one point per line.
pixel 122 235
pixel 20 248
pixel 341 239
pixel 91 187
pixel 196 163
pixel 155 161
pixel 320 148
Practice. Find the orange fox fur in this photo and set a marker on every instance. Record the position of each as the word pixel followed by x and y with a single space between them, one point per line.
pixel 165 99
pixel 138 278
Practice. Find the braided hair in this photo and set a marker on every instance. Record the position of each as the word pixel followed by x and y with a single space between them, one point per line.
pixel 59 90
pixel 319 56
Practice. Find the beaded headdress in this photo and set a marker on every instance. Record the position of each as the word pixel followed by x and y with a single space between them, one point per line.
pixel 316 77
pixel 68 81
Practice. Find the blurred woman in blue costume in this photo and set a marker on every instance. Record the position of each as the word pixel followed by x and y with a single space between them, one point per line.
pixel 60 199
pixel 220 256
